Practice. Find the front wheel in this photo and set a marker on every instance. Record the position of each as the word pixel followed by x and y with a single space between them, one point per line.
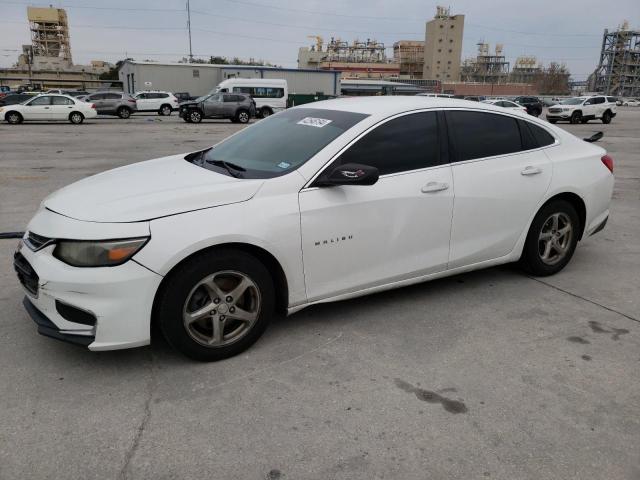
pixel 76 118
pixel 14 118
pixel 195 116
pixel 552 239
pixel 606 117
pixel 216 305
pixel 576 117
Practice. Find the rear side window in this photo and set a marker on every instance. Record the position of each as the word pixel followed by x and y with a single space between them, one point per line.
pixel 612 99
pixel 230 98
pixel 543 138
pixel 62 101
pixel 112 96
pixel 405 143
pixel 597 100
pixel 481 134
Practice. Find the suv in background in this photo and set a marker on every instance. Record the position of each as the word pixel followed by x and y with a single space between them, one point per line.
pixel 14 98
pixel 532 104
pixel 237 107
pixel 113 103
pixel 583 109
pixel 162 102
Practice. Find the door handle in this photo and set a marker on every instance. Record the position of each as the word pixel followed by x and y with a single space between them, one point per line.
pixel 46 108
pixel 432 187
pixel 531 171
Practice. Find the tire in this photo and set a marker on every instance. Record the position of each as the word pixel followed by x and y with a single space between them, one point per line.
pixel 14 118
pixel 553 121
pixel 165 110
pixel 76 118
pixel 547 250
pixel 124 112
pixel 576 117
pixel 195 116
pixel 265 112
pixel 606 117
pixel 202 285
pixel 243 116
pixel 584 120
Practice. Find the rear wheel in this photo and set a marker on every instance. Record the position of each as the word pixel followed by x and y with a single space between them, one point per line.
pixel 584 120
pixel 242 116
pixel 124 112
pixel 552 239
pixel 195 116
pixel 606 117
pixel 216 305
pixel 76 118
pixel 165 110
pixel 14 118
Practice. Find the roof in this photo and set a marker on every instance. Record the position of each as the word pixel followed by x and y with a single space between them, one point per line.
pixel 235 67
pixel 385 106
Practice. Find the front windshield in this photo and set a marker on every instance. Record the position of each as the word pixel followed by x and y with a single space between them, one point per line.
pixel 202 98
pixel 279 144
pixel 572 101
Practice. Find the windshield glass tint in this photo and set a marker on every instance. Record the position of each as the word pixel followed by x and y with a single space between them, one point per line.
pixel 279 144
pixel 572 101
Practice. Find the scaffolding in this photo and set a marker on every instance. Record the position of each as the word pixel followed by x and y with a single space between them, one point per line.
pixel 369 51
pixel 486 68
pixel 526 70
pixel 409 54
pixel 618 71
pixel 49 33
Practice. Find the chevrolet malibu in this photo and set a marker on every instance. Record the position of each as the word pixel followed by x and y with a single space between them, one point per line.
pixel 318 203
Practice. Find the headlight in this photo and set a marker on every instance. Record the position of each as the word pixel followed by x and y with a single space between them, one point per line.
pixel 108 253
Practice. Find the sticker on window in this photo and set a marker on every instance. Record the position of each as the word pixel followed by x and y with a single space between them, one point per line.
pixel 314 122
pixel 284 165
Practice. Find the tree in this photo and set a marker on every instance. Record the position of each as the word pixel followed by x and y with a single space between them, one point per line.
pixel 554 80
pixel 112 74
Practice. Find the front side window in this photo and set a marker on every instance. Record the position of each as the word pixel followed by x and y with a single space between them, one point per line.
pixel 214 98
pixel 597 100
pixel 483 134
pixel 278 144
pixel 405 143
pixel 41 101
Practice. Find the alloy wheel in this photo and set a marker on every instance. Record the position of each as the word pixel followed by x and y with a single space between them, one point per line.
pixel 195 117
pixel 222 308
pixel 243 117
pixel 555 238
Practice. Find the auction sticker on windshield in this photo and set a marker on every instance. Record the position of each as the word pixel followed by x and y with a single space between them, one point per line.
pixel 314 122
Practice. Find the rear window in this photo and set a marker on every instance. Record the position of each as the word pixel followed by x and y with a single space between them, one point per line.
pixel 278 144
pixel 543 138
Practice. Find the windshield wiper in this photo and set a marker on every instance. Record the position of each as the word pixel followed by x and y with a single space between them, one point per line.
pixel 232 168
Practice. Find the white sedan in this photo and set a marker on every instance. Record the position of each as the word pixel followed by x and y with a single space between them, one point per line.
pixel 49 107
pixel 631 103
pixel 506 104
pixel 318 203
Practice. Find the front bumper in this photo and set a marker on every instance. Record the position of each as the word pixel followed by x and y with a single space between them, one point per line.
pixel 559 116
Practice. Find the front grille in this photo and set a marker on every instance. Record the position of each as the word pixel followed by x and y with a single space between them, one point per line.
pixel 35 242
pixel 555 110
pixel 26 274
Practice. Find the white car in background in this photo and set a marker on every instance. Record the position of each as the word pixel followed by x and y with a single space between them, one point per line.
pixel 155 101
pixel 322 202
pixel 583 109
pixel 630 102
pixel 506 104
pixel 49 107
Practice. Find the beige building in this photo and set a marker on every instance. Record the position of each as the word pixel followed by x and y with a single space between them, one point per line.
pixel 443 46
pixel 409 55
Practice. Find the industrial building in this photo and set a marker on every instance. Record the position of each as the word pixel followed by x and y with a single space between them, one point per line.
pixel 618 71
pixel 359 59
pixel 409 55
pixel 527 69
pixel 487 67
pixel 199 79
pixel 443 46
pixel 47 61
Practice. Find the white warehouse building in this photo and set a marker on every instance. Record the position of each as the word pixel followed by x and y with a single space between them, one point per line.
pixel 199 79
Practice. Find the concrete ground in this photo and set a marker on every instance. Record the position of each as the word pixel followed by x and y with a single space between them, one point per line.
pixel 485 375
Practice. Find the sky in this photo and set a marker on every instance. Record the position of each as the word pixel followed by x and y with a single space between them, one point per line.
pixel 566 31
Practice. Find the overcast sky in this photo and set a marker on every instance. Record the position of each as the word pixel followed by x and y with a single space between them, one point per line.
pixel 568 31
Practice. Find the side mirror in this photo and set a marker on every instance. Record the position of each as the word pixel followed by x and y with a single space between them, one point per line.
pixel 349 174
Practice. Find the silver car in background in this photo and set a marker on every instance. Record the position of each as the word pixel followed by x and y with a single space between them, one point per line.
pixel 113 103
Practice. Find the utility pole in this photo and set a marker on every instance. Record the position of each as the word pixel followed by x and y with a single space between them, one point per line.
pixel 189 27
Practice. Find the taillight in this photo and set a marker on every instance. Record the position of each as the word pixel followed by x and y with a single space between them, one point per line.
pixel 93 105
pixel 131 100
pixel 608 162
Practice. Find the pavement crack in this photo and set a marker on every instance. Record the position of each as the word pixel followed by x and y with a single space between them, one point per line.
pixel 593 302
pixel 151 386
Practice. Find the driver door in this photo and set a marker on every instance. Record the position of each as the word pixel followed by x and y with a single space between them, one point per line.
pixel 38 109
pixel 213 106
pixel 355 237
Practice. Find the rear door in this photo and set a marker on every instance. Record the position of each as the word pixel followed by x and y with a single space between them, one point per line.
pixel 500 176
pixel 111 101
pixel 38 109
pixel 230 104
pixel 97 99
pixel 61 107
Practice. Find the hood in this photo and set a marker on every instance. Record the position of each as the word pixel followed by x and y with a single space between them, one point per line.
pixel 147 190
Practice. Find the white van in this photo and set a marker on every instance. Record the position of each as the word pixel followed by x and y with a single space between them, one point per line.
pixel 270 95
